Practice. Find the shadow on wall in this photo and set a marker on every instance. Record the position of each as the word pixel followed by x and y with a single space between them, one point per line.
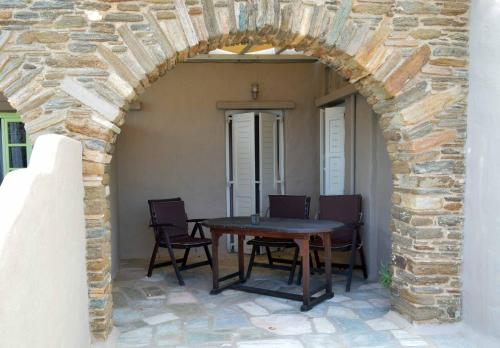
pixel 43 279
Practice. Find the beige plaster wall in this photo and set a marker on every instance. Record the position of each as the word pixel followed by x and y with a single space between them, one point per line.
pixel 43 278
pixel 175 146
pixel 373 180
pixel 113 196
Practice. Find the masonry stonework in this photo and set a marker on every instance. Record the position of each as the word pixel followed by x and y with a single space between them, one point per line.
pixel 73 67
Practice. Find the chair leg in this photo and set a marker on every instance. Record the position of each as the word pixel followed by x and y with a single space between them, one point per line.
pixel 318 261
pixel 311 271
pixel 186 252
pixel 312 264
pixel 250 263
pixel 174 264
pixel 185 257
pixel 363 262
pixel 299 276
pixel 269 256
pixel 294 266
pixel 209 258
pixel 362 257
pixel 153 258
pixel 351 263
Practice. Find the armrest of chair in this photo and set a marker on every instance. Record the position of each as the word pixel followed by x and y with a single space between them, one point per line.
pixel 197 226
pixel 195 220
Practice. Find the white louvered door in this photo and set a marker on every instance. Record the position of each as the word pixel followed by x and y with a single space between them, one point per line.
pixel 243 164
pixel 268 125
pixel 334 152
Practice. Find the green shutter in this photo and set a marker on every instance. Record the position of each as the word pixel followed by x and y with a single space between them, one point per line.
pixel 16 149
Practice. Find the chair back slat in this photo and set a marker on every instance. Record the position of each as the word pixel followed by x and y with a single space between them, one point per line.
pixel 160 200
pixel 342 208
pixel 289 206
pixel 166 199
pixel 168 211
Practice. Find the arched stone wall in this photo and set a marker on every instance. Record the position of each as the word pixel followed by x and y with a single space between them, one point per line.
pixel 73 67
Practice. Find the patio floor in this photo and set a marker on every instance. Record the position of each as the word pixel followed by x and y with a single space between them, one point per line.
pixel 156 312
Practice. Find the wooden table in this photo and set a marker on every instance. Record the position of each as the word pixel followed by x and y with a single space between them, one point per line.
pixel 299 230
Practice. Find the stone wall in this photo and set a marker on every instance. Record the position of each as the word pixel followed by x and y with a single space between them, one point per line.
pixel 73 67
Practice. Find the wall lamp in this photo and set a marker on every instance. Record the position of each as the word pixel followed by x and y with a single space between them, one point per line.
pixel 255 91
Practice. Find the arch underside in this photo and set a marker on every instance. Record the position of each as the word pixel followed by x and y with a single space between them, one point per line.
pixel 74 68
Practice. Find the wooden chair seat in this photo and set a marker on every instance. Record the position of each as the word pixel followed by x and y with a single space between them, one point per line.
pixel 341 239
pixel 183 242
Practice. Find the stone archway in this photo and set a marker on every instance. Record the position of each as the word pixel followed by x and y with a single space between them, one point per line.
pixel 73 68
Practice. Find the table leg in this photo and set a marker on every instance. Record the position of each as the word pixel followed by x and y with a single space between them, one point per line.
pixel 327 242
pixel 241 257
pixel 306 274
pixel 215 261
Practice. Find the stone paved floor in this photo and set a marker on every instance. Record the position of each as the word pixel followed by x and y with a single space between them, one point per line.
pixel 156 312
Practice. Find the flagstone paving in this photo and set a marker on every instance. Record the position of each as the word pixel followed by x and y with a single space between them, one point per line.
pixel 156 312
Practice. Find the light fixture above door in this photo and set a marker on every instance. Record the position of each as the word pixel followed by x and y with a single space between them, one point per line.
pixel 255 91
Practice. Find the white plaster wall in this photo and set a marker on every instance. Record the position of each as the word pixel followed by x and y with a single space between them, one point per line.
pixel 43 282
pixel 481 268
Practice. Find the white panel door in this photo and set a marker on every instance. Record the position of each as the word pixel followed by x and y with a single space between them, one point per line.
pixel 244 164
pixel 334 154
pixel 268 159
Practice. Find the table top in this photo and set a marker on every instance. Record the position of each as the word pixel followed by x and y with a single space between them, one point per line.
pixel 292 226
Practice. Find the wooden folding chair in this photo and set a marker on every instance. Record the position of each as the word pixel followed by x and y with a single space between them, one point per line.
pixel 346 209
pixel 280 206
pixel 170 224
